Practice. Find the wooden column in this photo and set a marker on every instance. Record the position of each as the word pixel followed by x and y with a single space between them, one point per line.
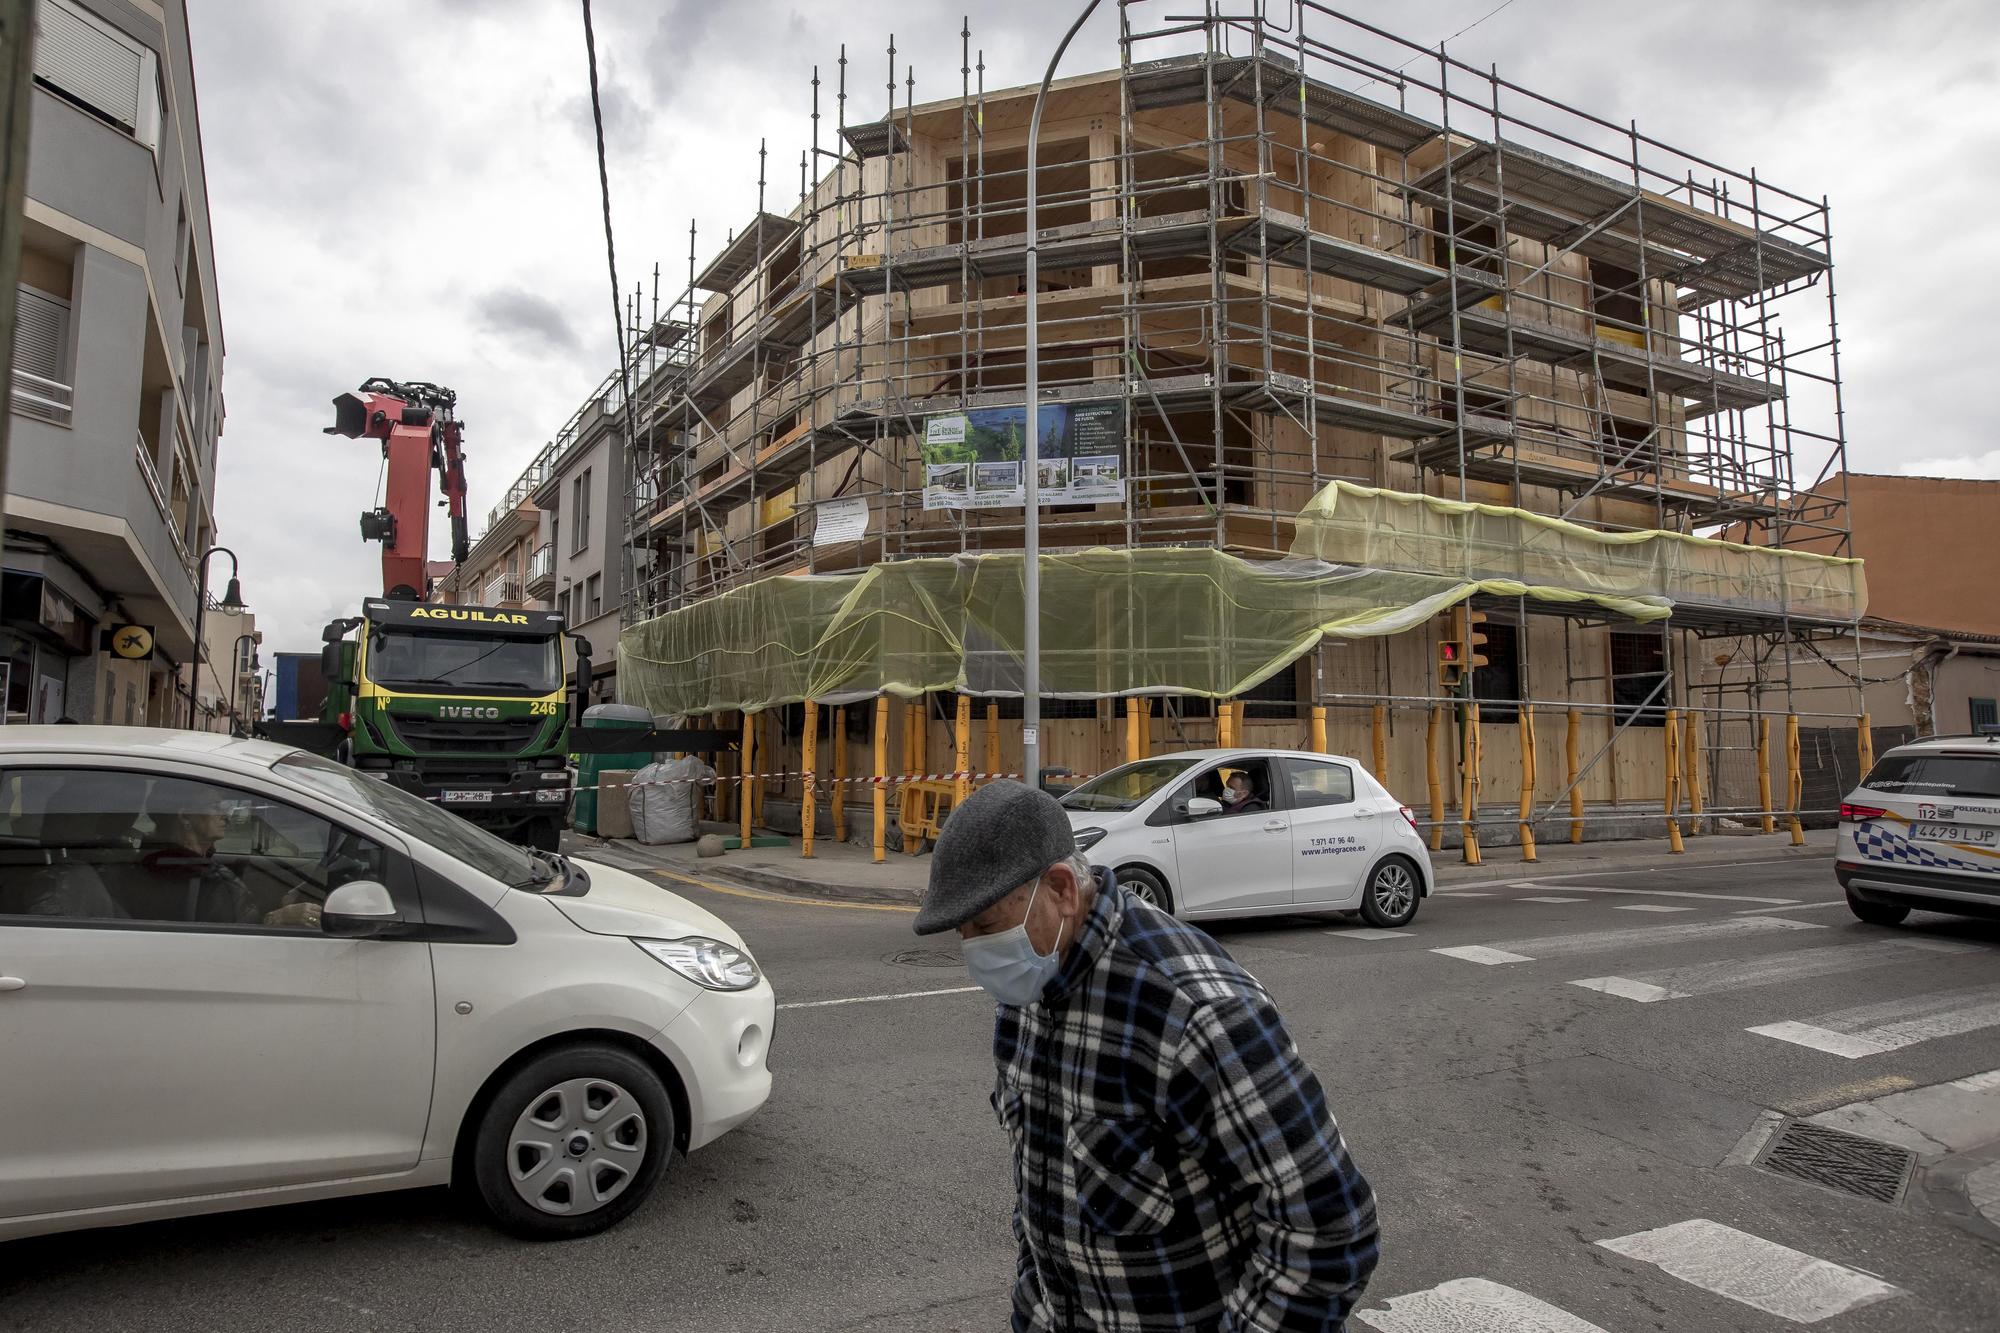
pixel 1319 729
pixel 1572 765
pixel 808 756
pixel 992 763
pixel 1864 744
pixel 1468 806
pixel 1764 774
pixel 1527 719
pixel 916 717
pixel 1378 733
pixel 765 728
pixel 1794 779
pixel 880 788
pixel 1132 741
pixel 747 761
pixel 1691 769
pixel 961 754
pixel 839 794
pixel 1670 740
pixel 1225 724
pixel 1431 776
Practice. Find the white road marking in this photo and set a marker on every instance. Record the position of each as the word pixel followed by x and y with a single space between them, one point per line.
pixel 1479 953
pixel 1756 1272
pixel 1626 988
pixel 1549 900
pixel 1649 907
pixel 1682 893
pixel 1800 907
pixel 1729 974
pixel 1369 933
pixel 1595 941
pixel 1472 1305
pixel 1461 893
pixel 876 999
pixel 1986 1082
pixel 1876 1028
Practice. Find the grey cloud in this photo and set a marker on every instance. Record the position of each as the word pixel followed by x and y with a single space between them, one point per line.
pixel 526 316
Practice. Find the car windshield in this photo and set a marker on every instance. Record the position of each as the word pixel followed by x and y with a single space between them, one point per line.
pixel 455 837
pixel 1921 774
pixel 1125 788
pixel 431 660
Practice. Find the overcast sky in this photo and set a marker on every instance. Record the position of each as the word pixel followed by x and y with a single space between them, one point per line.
pixel 408 188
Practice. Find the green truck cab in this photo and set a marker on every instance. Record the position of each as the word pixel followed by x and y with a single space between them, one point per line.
pixel 464 706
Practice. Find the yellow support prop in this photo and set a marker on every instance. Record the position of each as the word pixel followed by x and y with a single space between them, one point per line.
pixel 1794 780
pixel 1764 773
pixel 1131 729
pixel 839 798
pixel 1572 763
pixel 1864 743
pixel 749 753
pixel 881 773
pixel 758 783
pixel 916 720
pixel 1378 732
pixel 1527 718
pixel 1319 729
pixel 1670 739
pixel 1225 715
pixel 809 794
pixel 1433 779
pixel 961 755
pixel 1468 806
pixel 1691 769
pixel 992 764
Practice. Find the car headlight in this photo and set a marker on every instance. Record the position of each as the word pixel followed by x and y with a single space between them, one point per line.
pixel 1087 838
pixel 705 962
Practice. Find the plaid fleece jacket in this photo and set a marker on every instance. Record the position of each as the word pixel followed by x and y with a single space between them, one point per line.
pixel 1175 1163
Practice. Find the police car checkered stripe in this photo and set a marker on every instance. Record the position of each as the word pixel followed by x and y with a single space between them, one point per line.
pixel 1877 843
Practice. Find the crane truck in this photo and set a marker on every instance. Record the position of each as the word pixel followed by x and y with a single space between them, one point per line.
pixel 461 705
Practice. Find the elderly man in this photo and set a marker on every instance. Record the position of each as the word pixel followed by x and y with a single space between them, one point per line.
pixel 1175 1162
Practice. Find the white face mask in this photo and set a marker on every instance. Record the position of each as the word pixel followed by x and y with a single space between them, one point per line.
pixel 1006 964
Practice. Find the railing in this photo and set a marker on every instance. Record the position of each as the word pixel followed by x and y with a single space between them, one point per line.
pixel 144 455
pixel 44 400
pixel 542 564
pixel 502 589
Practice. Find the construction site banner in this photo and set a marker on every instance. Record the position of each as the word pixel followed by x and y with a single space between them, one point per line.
pixel 1384 529
pixel 1158 620
pixel 976 459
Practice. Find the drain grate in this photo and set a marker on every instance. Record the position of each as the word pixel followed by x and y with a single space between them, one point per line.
pixel 927 958
pixel 1841 1161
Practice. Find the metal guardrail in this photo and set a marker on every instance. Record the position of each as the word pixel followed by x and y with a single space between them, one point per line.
pixel 45 400
pixel 542 564
pixel 151 476
pixel 503 588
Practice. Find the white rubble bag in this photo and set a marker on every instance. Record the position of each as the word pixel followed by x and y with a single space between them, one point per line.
pixel 665 797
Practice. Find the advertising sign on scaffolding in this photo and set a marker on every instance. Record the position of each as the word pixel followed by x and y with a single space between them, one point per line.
pixel 974 459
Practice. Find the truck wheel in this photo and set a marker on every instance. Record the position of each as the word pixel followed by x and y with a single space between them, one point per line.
pixel 544 833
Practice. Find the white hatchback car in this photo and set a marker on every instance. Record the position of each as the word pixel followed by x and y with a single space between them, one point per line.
pixel 1923 830
pixel 1208 833
pixel 235 974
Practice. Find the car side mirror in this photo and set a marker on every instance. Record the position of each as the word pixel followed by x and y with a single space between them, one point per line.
pixel 1201 807
pixel 359 909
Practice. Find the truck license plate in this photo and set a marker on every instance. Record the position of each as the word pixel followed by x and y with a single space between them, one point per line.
pixel 1965 834
pixel 469 797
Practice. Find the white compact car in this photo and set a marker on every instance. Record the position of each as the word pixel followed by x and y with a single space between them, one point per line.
pixel 1923 830
pixel 1208 833
pixel 234 974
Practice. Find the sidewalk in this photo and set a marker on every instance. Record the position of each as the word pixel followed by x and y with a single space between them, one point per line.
pixel 844 870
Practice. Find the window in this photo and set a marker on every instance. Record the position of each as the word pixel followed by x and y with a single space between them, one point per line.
pixel 1277 697
pixel 1985 717
pixel 594 587
pixel 104 845
pixel 1496 687
pixel 1243 787
pixel 1930 774
pixel 41 335
pixel 1315 784
pixel 182 255
pixel 1125 788
pixel 562 605
pixel 579 512
pixel 93 65
pixel 1638 667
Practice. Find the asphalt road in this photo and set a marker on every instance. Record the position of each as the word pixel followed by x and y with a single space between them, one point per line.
pixel 1510 1121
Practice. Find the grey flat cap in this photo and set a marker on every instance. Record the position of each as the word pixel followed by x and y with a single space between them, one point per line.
pixel 1004 835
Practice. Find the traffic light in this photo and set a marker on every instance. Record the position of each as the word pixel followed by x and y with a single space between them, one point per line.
pixel 1474 639
pixel 1452 650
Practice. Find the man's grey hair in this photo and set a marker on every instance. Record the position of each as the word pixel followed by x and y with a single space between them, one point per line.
pixel 1080 866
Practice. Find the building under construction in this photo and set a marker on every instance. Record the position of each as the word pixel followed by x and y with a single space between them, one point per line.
pixel 1343 343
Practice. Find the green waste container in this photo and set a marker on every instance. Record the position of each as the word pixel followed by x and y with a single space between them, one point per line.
pixel 590 768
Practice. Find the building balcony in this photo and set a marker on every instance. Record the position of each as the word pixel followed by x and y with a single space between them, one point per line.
pixel 542 571
pixel 44 400
pixel 503 590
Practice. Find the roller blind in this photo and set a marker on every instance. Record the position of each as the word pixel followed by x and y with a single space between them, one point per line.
pixel 94 64
pixel 41 331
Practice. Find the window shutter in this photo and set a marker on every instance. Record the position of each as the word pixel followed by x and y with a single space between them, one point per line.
pixel 90 63
pixel 41 332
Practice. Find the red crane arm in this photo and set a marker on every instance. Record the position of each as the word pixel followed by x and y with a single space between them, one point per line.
pixel 419 434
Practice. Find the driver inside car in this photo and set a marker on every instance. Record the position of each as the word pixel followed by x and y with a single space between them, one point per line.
pixel 181 880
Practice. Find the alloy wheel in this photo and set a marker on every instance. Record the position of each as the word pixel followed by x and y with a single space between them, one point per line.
pixel 1395 889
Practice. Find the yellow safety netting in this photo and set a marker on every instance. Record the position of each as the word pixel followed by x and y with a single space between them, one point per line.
pixel 1153 620
pixel 1380 529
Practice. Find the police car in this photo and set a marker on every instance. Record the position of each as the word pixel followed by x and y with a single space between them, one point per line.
pixel 1923 830
pixel 1208 833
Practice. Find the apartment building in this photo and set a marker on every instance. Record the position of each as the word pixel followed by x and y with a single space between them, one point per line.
pixel 580 562
pixel 1335 332
pixel 498 567
pixel 116 401
pixel 229 693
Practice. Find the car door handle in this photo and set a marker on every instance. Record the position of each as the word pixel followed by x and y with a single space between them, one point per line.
pixel 1276 826
pixel 12 983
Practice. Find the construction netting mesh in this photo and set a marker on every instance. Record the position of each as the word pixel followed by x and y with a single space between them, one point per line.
pixel 1151 620
pixel 1381 529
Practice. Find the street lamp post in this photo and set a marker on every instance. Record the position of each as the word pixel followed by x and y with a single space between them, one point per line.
pixel 1031 645
pixel 232 602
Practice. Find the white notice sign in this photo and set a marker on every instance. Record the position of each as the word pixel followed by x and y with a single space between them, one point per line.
pixel 838 521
